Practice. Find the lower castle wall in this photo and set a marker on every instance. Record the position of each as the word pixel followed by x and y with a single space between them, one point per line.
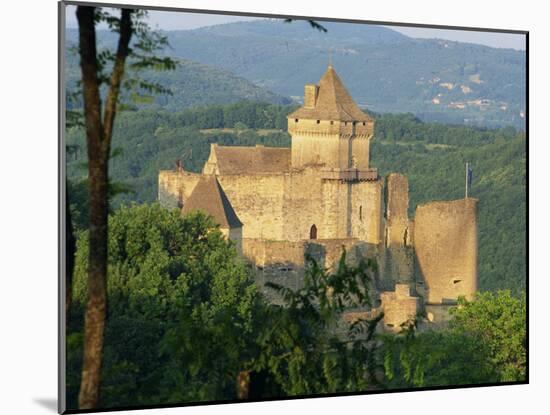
pixel 284 262
pixel 398 267
pixel 399 306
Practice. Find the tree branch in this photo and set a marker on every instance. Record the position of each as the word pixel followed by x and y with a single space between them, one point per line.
pixel 116 76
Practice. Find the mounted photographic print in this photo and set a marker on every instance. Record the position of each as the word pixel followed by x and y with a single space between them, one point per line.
pixel 261 207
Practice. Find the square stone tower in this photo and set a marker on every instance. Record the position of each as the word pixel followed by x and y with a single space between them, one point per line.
pixel 330 129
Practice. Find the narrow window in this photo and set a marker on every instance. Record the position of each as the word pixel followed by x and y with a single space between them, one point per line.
pixel 364 123
pixel 295 119
pixel 318 121
pixel 361 213
pixel 332 123
pixel 313 232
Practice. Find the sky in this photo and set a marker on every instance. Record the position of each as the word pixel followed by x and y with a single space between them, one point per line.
pixel 186 21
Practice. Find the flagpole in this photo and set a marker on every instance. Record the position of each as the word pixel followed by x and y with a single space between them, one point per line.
pixel 466 180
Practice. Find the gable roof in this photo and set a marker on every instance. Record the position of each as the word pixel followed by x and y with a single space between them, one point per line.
pixel 251 160
pixel 333 102
pixel 209 197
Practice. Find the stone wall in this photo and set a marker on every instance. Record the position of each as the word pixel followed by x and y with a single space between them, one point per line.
pixel 399 307
pixel 175 186
pixel 285 206
pixel 335 144
pixel 284 262
pixel 258 202
pixel 397 205
pixel 236 235
pixel 366 211
pixel 398 267
pixel 303 205
pixel 445 242
pixel 280 262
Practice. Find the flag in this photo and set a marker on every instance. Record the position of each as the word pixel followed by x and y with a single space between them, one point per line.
pixel 470 176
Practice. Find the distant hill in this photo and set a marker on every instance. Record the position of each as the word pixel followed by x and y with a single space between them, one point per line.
pixel 384 70
pixel 191 84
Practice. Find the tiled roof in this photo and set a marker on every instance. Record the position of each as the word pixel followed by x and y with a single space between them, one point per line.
pixel 251 160
pixel 333 102
pixel 209 197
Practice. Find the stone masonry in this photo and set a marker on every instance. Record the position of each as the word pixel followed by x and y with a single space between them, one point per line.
pixel 320 196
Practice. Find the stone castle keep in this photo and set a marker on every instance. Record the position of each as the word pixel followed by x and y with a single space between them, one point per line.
pixel 320 195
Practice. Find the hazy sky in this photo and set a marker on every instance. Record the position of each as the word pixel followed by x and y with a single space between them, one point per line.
pixel 183 21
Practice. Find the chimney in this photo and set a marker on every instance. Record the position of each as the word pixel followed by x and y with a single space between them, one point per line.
pixel 310 95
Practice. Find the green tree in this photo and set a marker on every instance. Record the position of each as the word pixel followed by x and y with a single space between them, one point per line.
pixel 498 320
pixel 484 343
pixel 181 305
pixel 434 358
pixel 306 346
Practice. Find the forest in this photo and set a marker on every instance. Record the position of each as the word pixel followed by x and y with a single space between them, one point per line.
pixel 431 155
pixel 186 321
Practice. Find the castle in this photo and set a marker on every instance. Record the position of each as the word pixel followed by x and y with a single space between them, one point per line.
pixel 320 195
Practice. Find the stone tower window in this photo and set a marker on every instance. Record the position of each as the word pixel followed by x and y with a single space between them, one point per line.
pixel 313 232
pixel 364 123
pixel 361 213
pixel 318 121
pixel 295 119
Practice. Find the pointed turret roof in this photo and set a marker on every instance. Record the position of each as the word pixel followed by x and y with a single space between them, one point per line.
pixel 209 197
pixel 333 102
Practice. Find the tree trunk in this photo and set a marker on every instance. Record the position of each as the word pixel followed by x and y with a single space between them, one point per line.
pixel 98 138
pixel 69 259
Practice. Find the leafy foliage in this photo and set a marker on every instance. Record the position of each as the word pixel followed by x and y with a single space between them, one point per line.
pixel 304 348
pixel 185 319
pixel 435 358
pixel 180 310
pixel 484 343
pixel 497 320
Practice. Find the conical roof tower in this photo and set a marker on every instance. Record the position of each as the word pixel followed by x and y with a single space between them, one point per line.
pixel 330 130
